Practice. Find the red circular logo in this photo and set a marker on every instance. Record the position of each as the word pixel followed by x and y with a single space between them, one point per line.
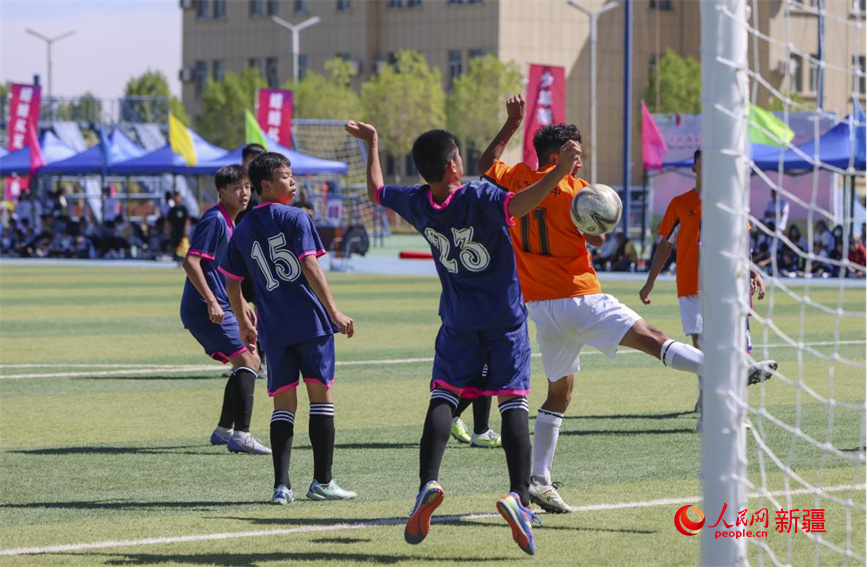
pixel 686 526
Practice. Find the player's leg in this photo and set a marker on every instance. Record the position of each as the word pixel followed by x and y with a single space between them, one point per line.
pixel 282 436
pixel 245 364
pixel 316 357
pixel 483 435
pixel 225 425
pixel 459 428
pixel 546 433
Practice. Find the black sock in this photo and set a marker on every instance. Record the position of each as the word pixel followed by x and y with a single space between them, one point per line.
pixel 244 396
pixel 321 431
pixel 282 431
pixel 437 428
pixel 462 405
pixel 516 443
pixel 481 414
pixel 227 414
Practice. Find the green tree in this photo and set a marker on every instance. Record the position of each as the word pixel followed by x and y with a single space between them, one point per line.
pixel 86 108
pixel 154 84
pixel 477 104
pixel 328 96
pixel 403 101
pixel 679 86
pixel 222 118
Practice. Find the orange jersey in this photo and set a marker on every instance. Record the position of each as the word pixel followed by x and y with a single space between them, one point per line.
pixel 682 223
pixel 551 255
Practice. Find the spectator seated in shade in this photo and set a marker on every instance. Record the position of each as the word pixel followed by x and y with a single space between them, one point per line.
pixel 823 237
pixel 819 267
pixel 857 257
pixel 625 257
pixel 777 210
pixel 603 255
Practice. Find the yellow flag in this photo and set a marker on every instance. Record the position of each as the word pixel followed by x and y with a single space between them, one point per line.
pixel 181 141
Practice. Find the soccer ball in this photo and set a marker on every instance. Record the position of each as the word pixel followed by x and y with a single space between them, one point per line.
pixel 596 209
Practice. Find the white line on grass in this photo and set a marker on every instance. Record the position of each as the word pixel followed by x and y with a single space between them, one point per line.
pixel 139 369
pixel 369 524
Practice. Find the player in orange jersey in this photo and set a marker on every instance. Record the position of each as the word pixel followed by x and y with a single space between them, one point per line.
pixel 564 297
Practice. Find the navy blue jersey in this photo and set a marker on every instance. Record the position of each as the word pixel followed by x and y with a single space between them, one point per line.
pixel 469 237
pixel 209 241
pixel 268 247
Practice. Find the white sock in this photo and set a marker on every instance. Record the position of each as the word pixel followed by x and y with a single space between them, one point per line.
pixel 224 429
pixel 681 356
pixel 545 435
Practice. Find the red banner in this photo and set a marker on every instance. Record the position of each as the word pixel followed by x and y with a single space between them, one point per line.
pixel 546 104
pixel 24 106
pixel 275 115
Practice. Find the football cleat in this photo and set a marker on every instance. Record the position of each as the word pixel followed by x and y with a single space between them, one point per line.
pixel 545 495
pixel 330 491
pixel 520 519
pixel 242 442
pixel 489 440
pixel 459 430
pixel 427 501
pixel 282 495
pixel 221 436
pixel 761 372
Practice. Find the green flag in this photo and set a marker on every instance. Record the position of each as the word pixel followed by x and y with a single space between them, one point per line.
pixel 252 132
pixel 762 121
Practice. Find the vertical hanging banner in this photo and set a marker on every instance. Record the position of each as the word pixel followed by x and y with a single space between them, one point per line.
pixel 275 115
pixel 24 106
pixel 546 104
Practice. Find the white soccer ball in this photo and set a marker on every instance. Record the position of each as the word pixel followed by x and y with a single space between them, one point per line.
pixel 596 209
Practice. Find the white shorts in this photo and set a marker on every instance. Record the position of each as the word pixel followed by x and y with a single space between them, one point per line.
pixel 564 326
pixel 690 314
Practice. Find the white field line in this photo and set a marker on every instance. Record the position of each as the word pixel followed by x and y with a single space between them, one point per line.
pixel 362 525
pixel 141 369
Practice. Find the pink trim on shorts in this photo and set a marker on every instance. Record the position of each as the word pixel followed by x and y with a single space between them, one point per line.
pixel 219 357
pixel 318 381
pixel 379 194
pixel 472 392
pixel 282 388
pixel 229 275
pixel 204 255
pixel 309 252
pixel 237 352
pixel 509 220
pixel 229 224
pixel 446 202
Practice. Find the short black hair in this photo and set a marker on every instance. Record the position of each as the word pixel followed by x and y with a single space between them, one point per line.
pixel 696 155
pixel 550 138
pixel 263 166
pixel 252 150
pixel 432 152
pixel 229 174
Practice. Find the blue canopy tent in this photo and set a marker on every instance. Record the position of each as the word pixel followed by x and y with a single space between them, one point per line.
pixel 3 152
pixel 96 159
pixel 302 164
pixel 158 162
pixel 53 150
pixel 205 150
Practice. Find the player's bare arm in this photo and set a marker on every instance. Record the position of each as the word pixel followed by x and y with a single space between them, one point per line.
pixel 757 283
pixel 525 201
pixel 515 108
pixel 246 325
pixel 193 268
pixel 367 133
pixel 595 239
pixel 316 278
pixel 660 257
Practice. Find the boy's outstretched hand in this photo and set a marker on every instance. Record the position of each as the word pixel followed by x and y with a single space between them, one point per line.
pixel 361 130
pixel 570 156
pixel 515 108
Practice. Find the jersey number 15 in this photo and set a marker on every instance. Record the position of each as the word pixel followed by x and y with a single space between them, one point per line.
pixel 286 265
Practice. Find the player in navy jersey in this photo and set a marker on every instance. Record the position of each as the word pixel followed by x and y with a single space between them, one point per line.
pixel 481 307
pixel 206 313
pixel 278 248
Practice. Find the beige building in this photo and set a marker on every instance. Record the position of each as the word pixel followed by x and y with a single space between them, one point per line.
pixel 221 35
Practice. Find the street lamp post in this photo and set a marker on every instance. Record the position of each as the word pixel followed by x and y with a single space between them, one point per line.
pixel 295 29
pixel 49 42
pixel 594 17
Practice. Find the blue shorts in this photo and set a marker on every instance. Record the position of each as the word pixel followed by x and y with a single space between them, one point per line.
pixel 221 341
pixel 461 355
pixel 311 360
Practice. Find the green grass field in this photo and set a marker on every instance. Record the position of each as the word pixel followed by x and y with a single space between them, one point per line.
pixel 103 437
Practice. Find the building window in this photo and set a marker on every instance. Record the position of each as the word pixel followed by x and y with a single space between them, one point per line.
pixel 202 10
pixel 273 7
pixel 218 70
pixel 389 165
pixel 413 3
pixel 395 3
pixel 256 10
pixel 302 6
pixel 302 65
pixel 475 1
pixel 796 68
pixel 859 6
pixel 455 2
pixel 662 5
pixel 456 65
pixel 219 9
pixel 271 73
pixel 201 76
pixel 859 81
pixel 255 63
pixel 409 166
pixel 343 5
pixel 814 73
pixel 473 53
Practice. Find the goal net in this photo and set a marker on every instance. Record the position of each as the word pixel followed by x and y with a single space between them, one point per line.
pixel 783 461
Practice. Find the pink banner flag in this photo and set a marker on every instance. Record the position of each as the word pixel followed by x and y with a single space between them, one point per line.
pixel 546 104
pixel 24 106
pixel 275 115
pixel 653 146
